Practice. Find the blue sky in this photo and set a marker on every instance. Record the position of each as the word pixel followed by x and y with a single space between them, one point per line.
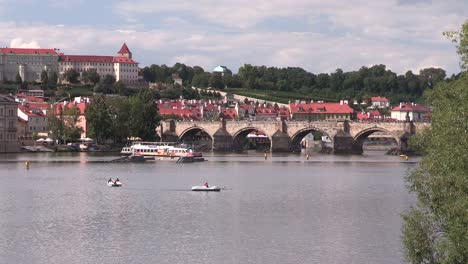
pixel 317 35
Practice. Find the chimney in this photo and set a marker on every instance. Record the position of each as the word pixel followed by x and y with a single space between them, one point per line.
pixel 341 102
pixel 401 104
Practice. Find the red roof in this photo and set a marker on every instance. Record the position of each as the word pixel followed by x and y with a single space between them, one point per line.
pixel 320 108
pixel 81 107
pixel 98 59
pixel 229 113
pixel 269 110
pixel 411 107
pixel 124 49
pixel 87 58
pixel 28 51
pixel 184 113
pixel 124 60
pixel 378 99
pixel 30 99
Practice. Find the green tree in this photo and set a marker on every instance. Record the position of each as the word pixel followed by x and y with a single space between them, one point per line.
pixel 98 119
pixel 44 79
pixel 72 130
pixel 56 123
pixel 91 76
pixel 71 76
pixel 120 88
pixel 18 78
pixel 119 113
pixel 143 115
pixel 108 79
pixel 436 229
pixel 461 38
pixel 216 81
pixel 53 79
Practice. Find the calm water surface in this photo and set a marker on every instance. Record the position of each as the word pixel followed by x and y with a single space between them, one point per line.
pixel 328 209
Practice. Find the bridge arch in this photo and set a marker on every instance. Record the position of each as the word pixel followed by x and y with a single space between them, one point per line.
pixel 360 137
pixel 299 135
pixel 239 136
pixel 198 137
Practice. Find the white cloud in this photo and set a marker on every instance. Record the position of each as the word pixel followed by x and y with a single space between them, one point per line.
pixel 19 43
pixel 311 51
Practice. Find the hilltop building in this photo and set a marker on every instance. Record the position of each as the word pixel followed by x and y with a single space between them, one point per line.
pixel 28 63
pixel 122 66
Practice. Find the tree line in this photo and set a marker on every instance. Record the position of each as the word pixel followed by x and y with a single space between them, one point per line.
pixel 360 85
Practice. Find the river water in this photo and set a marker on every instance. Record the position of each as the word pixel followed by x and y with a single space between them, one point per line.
pixel 286 209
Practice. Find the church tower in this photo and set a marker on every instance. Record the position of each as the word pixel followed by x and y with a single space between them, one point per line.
pixel 125 52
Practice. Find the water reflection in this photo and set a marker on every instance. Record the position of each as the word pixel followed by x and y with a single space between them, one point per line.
pixel 328 209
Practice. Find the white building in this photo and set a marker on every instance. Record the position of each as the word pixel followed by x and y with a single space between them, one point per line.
pixel 28 63
pixel 380 102
pixel 412 111
pixel 122 66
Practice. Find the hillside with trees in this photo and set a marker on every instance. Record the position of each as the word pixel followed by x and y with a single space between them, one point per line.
pixel 360 84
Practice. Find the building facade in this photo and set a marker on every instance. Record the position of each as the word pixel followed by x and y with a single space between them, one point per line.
pixel 28 63
pixel 410 112
pixel 315 111
pixel 8 119
pixel 122 66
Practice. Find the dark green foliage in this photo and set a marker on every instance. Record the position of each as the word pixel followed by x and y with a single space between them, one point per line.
pixel 216 81
pixel 18 78
pixel 63 125
pixel 90 76
pixel 108 79
pixel 436 230
pixel 44 80
pixel 461 38
pixel 118 118
pixel 99 119
pixel 366 82
pixel 53 78
pixel 71 76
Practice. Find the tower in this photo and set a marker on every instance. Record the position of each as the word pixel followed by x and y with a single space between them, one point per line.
pixel 125 52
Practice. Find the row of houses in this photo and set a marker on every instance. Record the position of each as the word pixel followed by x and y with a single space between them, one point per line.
pixel 195 110
pixel 30 63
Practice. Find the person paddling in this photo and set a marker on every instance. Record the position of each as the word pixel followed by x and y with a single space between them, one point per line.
pixel 206 184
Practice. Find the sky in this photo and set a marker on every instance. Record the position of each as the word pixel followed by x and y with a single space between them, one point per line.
pixel 317 35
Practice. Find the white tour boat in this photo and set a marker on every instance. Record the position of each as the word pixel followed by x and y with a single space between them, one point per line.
pixel 158 149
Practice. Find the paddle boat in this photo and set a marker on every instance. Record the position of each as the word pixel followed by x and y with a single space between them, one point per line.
pixel 206 188
pixel 113 183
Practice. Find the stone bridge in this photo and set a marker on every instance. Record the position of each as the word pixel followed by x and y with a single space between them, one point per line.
pixel 285 136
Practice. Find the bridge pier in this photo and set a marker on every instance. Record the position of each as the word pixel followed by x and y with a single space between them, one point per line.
pixel 222 140
pixel 343 143
pixel 280 142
